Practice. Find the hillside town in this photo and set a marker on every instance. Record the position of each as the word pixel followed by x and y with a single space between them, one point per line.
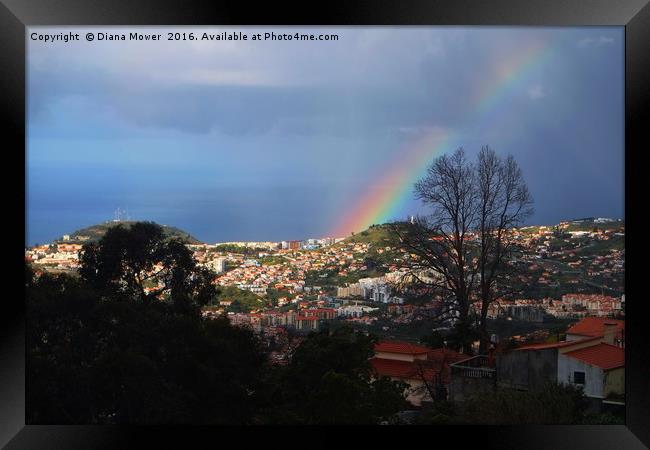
pixel 570 310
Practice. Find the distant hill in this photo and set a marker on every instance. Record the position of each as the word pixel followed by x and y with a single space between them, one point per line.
pixel 592 223
pixel 378 235
pixel 95 232
pixel 586 224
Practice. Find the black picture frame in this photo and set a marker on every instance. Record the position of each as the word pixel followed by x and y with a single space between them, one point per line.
pixel 16 15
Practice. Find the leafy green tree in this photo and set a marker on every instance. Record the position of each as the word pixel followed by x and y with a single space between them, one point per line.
pixel 92 359
pixel 329 381
pixel 606 418
pixel 231 248
pixel 124 260
pixel 242 300
pixel 438 413
pixel 552 404
pixel 433 340
pixel 98 351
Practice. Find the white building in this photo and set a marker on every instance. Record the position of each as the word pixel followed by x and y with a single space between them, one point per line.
pixel 218 265
pixel 376 289
pixel 598 369
pixel 354 310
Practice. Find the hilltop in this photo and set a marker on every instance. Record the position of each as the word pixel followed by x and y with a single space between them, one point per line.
pixel 591 224
pixel 378 235
pixel 95 232
pixel 586 224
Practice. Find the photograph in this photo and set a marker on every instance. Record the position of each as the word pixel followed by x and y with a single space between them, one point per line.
pixel 325 225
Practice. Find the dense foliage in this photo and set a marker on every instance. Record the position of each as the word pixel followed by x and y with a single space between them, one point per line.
pixel 125 260
pixel 551 404
pixel 97 359
pixel 233 248
pixel 329 382
pixel 242 300
pixel 102 350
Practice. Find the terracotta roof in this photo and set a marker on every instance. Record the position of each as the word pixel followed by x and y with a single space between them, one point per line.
pixel 544 346
pixel 444 354
pixel 603 355
pixel 595 326
pixel 410 370
pixel 393 368
pixel 405 348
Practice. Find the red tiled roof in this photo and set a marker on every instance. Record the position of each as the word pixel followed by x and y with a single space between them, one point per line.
pixel 605 356
pixel 561 344
pixel 410 370
pixel 398 369
pixel 405 348
pixel 446 355
pixel 595 326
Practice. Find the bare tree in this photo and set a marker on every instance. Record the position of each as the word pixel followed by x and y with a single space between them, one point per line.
pixel 462 250
pixel 440 242
pixel 504 202
pixel 432 374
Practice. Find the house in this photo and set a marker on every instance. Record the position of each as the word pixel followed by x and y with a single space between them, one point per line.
pixel 426 371
pixel 598 327
pixel 596 364
pixel 531 366
pixel 599 369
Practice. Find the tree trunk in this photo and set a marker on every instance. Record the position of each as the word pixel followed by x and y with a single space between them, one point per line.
pixel 483 332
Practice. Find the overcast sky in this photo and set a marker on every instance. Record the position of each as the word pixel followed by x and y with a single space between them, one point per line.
pixel 276 140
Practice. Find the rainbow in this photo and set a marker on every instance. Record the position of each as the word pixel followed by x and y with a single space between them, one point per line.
pixel 385 200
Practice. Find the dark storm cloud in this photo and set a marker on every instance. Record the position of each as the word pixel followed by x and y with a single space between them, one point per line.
pixel 284 137
pixel 236 110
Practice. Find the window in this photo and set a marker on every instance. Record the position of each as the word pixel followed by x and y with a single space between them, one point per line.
pixel 578 377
